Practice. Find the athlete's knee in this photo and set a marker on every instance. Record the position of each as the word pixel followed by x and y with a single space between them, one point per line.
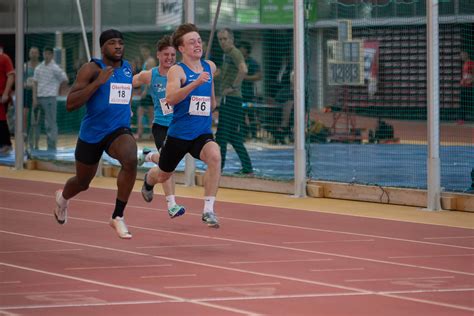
pixel 213 159
pixel 129 161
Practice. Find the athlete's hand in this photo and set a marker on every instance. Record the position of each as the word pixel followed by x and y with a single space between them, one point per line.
pixel 104 74
pixel 203 78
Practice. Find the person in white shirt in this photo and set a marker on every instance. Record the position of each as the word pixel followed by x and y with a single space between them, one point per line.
pixel 47 79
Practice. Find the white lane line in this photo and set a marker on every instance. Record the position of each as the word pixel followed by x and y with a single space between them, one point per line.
pixel 246 221
pixel 47 292
pixel 431 256
pixel 10 282
pixel 221 285
pixel 213 266
pixel 335 270
pixel 168 276
pixel 184 246
pixel 120 267
pixel 82 305
pixel 400 279
pixel 128 288
pixel 448 237
pixel 429 302
pixel 326 241
pixel 39 251
pixel 235 241
pixel 278 261
pixel 467 289
pixel 282 277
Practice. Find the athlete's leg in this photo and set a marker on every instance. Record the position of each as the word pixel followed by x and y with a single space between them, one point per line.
pixel 124 148
pixel 210 154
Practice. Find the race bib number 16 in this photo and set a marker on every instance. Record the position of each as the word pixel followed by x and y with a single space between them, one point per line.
pixel 120 93
pixel 200 105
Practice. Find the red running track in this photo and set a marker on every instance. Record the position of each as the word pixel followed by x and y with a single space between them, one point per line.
pixel 262 261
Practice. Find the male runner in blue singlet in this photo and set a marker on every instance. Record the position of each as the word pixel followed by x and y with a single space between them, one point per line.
pixel 190 91
pixel 105 86
pixel 156 79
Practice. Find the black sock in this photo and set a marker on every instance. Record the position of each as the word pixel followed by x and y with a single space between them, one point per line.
pixel 147 186
pixel 119 208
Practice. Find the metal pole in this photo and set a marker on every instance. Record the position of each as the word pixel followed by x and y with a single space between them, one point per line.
pixel 433 163
pixel 19 58
pixel 319 69
pixel 213 30
pixel 96 29
pixel 83 28
pixel 299 99
pixel 189 161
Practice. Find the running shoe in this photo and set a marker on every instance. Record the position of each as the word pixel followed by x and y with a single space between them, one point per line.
pixel 147 194
pixel 60 212
pixel 118 224
pixel 142 156
pixel 176 210
pixel 210 219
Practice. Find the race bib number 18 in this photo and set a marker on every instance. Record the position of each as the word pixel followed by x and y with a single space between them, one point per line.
pixel 165 107
pixel 200 105
pixel 120 93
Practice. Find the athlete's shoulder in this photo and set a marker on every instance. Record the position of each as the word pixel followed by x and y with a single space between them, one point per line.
pixel 211 64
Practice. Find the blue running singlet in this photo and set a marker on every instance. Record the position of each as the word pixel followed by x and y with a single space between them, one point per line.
pixel 163 112
pixel 109 107
pixel 193 116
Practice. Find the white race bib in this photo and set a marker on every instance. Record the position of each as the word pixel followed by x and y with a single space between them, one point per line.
pixel 120 93
pixel 200 105
pixel 165 107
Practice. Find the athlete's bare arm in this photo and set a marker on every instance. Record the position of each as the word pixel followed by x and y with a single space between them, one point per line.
pixel 213 97
pixel 176 77
pixel 89 78
pixel 142 78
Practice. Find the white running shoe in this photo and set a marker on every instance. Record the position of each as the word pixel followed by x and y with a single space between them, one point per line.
pixel 60 212
pixel 118 224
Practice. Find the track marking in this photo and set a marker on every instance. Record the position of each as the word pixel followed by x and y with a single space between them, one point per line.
pixel 168 276
pixel 430 256
pixel 334 270
pixel 184 246
pixel 220 285
pixel 243 242
pixel 48 292
pixel 399 279
pixel 326 241
pixel 251 221
pixel 233 298
pixel 448 237
pixel 120 267
pixel 128 288
pixel 10 282
pixel 359 291
pixel 40 251
pixel 277 261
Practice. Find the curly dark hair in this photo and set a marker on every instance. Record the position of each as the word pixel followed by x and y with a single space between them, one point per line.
pixel 183 29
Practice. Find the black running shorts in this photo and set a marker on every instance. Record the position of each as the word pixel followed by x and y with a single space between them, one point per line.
pixel 90 154
pixel 174 150
pixel 159 134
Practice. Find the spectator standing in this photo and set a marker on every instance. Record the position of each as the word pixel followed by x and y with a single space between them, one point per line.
pixel 30 66
pixel 467 87
pixel 232 73
pixel 254 74
pixel 47 79
pixel 7 78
